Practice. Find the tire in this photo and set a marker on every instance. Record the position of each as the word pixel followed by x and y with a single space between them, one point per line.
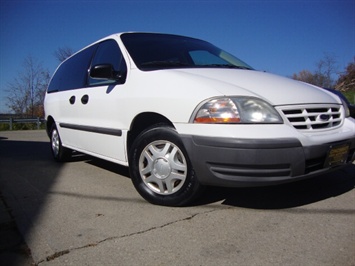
pixel 60 153
pixel 161 170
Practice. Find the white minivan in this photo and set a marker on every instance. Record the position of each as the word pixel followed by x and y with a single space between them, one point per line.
pixel 182 114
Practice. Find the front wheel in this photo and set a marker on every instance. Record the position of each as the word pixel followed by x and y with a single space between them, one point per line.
pixel 160 168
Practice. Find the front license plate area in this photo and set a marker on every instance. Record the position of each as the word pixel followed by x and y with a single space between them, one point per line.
pixel 337 155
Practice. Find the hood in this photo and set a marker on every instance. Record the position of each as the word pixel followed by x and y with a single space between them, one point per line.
pixel 274 89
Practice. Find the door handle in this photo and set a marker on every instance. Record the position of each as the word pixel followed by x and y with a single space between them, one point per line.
pixel 72 100
pixel 85 99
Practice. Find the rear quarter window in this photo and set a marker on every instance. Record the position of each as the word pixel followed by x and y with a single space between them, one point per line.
pixel 72 73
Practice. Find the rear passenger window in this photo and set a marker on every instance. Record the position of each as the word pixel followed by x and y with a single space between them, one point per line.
pixel 72 74
pixel 108 52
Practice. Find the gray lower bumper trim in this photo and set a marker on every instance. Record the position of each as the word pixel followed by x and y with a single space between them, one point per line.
pixel 241 162
pixel 247 143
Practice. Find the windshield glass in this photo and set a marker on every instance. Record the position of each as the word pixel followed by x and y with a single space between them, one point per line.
pixel 161 51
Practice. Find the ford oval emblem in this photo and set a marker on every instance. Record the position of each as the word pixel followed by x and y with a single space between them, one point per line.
pixel 324 117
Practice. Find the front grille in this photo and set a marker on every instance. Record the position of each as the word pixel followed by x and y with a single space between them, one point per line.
pixel 313 117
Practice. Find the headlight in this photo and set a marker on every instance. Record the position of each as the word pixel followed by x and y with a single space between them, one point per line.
pixel 233 110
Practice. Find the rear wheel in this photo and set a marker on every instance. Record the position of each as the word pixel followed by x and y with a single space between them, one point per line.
pixel 59 152
pixel 160 168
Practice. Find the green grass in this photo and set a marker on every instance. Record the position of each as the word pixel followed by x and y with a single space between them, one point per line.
pixel 350 95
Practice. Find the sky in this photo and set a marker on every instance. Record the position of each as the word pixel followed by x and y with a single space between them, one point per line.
pixel 277 36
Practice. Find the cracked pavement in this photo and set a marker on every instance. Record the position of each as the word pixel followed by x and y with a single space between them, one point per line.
pixel 87 212
pixel 115 239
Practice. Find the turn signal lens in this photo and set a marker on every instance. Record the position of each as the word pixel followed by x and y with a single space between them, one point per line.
pixel 221 110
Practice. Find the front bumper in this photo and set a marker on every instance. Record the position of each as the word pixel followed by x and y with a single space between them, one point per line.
pixel 257 162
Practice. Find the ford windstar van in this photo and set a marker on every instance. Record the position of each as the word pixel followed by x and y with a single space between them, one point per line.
pixel 183 114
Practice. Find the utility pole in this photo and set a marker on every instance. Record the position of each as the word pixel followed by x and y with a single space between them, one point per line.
pixel 32 92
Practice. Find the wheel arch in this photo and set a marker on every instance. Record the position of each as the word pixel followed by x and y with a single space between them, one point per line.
pixel 49 123
pixel 142 122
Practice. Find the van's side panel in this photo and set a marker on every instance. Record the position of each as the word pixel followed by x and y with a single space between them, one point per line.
pixel 93 126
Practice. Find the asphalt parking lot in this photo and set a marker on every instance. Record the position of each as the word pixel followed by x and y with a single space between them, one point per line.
pixel 87 212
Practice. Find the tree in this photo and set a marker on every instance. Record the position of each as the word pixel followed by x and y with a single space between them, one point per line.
pixel 26 93
pixel 63 53
pixel 323 75
pixel 305 76
pixel 326 69
pixel 346 81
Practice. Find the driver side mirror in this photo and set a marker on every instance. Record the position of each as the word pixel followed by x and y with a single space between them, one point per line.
pixel 105 71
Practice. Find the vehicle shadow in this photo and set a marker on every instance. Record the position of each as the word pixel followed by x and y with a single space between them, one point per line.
pixel 28 172
pixel 286 195
pixel 97 162
pixel 283 196
pixel 109 166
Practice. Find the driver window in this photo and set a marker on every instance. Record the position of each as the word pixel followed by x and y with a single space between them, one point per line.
pixel 108 52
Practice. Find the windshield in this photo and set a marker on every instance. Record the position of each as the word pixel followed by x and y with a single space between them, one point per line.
pixel 161 51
